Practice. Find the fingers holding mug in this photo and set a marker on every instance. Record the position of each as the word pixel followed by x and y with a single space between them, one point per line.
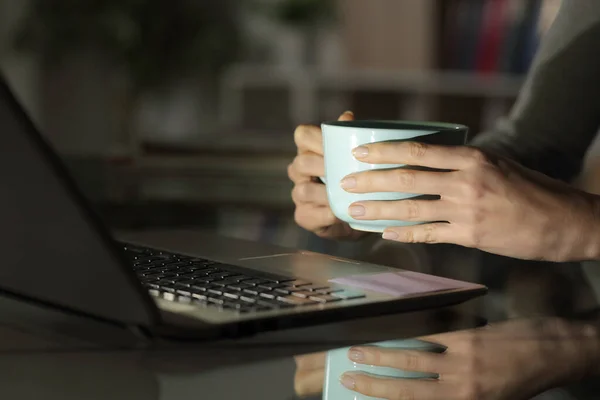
pixel 310 193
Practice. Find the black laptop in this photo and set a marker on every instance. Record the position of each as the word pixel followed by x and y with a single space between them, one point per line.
pixel 57 254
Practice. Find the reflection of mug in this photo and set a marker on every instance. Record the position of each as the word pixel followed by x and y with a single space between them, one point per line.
pixel 341 137
pixel 338 363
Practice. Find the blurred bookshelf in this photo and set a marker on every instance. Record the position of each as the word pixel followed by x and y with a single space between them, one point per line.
pixel 468 69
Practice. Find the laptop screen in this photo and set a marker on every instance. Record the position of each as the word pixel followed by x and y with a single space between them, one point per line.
pixel 53 248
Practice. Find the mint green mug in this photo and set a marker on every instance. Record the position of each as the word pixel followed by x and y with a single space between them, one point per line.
pixel 341 137
pixel 337 363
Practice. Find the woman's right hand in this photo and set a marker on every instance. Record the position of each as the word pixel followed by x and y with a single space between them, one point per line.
pixel 309 194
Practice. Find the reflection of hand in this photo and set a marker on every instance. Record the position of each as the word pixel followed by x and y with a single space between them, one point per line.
pixel 492 204
pixel 513 361
pixel 310 373
pixel 310 197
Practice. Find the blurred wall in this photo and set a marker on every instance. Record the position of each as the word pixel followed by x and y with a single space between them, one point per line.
pixel 389 34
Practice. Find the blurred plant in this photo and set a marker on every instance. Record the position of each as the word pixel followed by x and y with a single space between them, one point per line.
pixel 155 40
pixel 301 13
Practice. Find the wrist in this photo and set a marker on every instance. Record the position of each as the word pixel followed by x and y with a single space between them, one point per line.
pixel 576 351
pixel 591 231
pixel 587 345
pixel 583 234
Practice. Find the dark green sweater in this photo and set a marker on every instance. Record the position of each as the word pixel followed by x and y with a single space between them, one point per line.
pixel 557 114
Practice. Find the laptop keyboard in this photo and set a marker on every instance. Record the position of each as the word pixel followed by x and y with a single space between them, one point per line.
pixel 181 278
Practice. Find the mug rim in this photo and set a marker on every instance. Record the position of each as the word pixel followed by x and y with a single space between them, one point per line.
pixel 397 125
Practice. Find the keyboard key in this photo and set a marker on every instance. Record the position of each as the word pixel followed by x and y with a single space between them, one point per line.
pixel 168 289
pixel 150 273
pixel 232 295
pixel 149 279
pixel 196 272
pixel 244 278
pixel 201 288
pixel 184 282
pixel 348 294
pixel 303 294
pixel 200 261
pixel 325 298
pixel 199 296
pixel 248 298
pixel 268 295
pixel 255 290
pixel 271 285
pixel 215 291
pixel 239 287
pixel 202 281
pixel 217 275
pixel 255 282
pixel 229 281
pixel 298 283
pixel 182 292
pixel 152 286
pixel 172 270
pixel 154 292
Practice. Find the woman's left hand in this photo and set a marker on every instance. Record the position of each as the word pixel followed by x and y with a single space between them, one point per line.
pixel 511 361
pixel 486 202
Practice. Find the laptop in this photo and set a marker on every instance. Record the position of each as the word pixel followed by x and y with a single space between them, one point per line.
pixel 57 254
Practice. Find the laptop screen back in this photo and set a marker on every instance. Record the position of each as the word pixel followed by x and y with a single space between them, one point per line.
pixel 52 248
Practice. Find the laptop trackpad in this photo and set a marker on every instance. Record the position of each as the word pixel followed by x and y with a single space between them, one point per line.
pixel 310 265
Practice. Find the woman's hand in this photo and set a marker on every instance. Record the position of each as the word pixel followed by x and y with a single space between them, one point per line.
pixel 310 374
pixel 309 195
pixel 488 203
pixel 511 361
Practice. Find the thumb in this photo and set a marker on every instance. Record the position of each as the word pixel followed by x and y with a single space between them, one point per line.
pixel 346 116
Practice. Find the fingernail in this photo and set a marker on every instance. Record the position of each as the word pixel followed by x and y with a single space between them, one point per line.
pixel 349 183
pixel 357 211
pixel 390 235
pixel 357 355
pixel 348 381
pixel 360 152
pixel 348 112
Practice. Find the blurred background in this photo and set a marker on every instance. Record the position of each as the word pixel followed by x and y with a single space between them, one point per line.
pixel 181 113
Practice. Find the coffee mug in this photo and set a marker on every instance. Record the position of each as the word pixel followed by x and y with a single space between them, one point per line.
pixel 341 137
pixel 337 363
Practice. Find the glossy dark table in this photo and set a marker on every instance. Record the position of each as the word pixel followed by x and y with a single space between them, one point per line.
pixel 38 364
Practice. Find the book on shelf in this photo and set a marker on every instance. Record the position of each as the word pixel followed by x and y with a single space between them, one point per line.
pixel 495 36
